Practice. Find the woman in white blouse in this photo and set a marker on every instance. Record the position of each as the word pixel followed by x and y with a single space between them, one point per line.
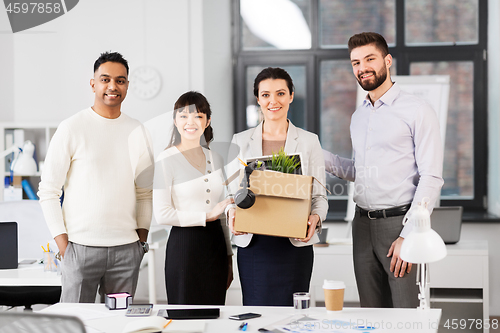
pixel 188 195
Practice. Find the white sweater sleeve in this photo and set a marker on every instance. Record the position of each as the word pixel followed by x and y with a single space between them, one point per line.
pixel 57 163
pixel 140 141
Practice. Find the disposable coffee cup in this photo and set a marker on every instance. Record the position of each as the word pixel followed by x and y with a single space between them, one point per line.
pixel 334 295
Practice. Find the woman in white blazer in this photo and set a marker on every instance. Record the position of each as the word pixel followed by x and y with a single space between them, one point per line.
pixel 189 195
pixel 273 268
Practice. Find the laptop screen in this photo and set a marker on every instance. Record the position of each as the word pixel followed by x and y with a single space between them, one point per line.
pixel 8 245
pixel 447 222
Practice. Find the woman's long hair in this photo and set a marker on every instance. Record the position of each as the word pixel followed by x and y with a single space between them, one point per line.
pixel 196 102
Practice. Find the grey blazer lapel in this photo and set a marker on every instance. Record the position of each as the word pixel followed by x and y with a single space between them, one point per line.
pixel 292 137
pixel 256 141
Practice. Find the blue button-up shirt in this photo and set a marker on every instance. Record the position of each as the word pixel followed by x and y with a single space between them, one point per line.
pixel 398 153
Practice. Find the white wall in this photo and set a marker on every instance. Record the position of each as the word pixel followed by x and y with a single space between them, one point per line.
pixel 6 70
pixel 493 107
pixel 218 66
pixel 488 231
pixel 53 63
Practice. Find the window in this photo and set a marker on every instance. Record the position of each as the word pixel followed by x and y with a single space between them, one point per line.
pixel 425 37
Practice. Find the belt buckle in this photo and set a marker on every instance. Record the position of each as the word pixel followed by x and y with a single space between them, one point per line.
pixel 371 218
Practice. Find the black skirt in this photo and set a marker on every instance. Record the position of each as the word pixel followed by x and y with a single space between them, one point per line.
pixel 196 265
pixel 272 269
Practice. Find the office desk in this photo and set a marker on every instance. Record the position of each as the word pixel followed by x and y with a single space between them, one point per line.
pixel 28 285
pixel 388 320
pixel 460 278
pixel 29 275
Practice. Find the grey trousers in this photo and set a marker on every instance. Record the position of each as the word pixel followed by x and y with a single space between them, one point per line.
pixel 114 269
pixel 377 286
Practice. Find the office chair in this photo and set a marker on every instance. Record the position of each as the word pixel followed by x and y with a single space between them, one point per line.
pixel 28 322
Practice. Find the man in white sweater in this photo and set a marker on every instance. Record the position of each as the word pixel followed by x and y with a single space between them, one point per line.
pixel 103 159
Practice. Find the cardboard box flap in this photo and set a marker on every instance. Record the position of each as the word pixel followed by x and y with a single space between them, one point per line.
pixel 277 184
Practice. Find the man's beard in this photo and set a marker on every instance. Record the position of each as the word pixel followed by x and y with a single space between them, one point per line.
pixel 372 85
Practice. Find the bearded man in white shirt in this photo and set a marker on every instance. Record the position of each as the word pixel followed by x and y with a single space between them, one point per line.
pixel 398 161
pixel 102 158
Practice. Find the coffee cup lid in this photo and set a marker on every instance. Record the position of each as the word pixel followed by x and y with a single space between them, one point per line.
pixel 330 284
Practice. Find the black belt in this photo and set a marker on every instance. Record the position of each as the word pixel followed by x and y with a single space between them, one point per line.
pixel 383 213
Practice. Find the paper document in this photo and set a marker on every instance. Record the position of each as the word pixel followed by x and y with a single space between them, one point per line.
pixel 323 326
pixel 83 313
pixel 89 329
pixel 184 326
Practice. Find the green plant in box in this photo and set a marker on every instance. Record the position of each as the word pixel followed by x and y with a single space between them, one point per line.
pixel 283 163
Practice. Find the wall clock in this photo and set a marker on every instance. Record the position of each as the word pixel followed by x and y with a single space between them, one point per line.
pixel 145 82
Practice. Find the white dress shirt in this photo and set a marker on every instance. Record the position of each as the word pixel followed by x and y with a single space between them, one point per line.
pixel 182 195
pixel 398 154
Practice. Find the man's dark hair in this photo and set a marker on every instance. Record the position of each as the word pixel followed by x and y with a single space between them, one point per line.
pixel 366 38
pixel 110 56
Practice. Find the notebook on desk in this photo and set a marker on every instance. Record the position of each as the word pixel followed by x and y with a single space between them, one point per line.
pixel 447 222
pixel 8 245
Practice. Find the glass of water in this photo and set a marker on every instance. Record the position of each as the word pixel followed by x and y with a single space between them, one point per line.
pixel 301 302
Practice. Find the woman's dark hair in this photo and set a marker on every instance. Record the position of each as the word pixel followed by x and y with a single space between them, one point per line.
pixel 272 73
pixel 367 38
pixel 196 103
pixel 110 57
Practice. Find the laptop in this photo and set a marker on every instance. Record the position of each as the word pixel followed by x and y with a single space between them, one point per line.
pixel 447 222
pixel 8 245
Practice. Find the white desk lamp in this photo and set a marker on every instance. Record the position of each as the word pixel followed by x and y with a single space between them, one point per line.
pixel 9 151
pixel 24 164
pixel 422 246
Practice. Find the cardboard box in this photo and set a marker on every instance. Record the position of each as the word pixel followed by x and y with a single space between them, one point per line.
pixel 282 206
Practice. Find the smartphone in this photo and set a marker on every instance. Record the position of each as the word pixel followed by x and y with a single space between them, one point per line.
pixel 245 316
pixel 201 313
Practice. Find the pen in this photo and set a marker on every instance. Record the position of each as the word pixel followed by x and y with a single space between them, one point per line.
pixel 242 162
pixel 264 330
pixel 243 327
pixel 167 324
